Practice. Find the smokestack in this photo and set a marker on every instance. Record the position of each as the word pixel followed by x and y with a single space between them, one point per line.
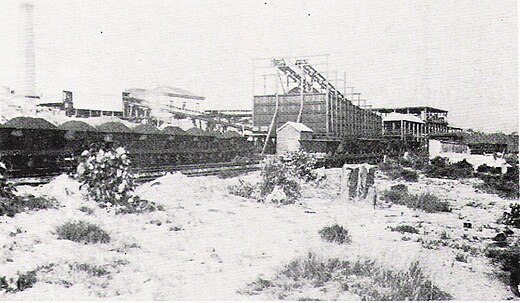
pixel 29 56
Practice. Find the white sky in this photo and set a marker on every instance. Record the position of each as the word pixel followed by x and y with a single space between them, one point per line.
pixel 456 55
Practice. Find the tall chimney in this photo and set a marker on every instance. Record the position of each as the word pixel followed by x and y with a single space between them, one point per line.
pixel 29 56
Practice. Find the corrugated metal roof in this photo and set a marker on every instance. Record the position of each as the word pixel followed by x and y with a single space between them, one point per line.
pixel 298 126
pixel 402 117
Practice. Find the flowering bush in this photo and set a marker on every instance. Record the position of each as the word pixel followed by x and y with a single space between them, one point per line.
pixel 277 196
pixel 281 179
pixel 280 175
pixel 303 165
pixel 107 178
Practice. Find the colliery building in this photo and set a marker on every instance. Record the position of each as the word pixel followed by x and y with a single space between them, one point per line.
pixel 308 98
pixel 416 122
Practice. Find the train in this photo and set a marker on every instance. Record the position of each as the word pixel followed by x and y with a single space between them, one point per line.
pixel 36 147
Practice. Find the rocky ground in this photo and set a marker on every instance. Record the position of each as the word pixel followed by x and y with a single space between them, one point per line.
pixel 208 244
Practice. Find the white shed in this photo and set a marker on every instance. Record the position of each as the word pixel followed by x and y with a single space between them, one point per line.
pixel 288 137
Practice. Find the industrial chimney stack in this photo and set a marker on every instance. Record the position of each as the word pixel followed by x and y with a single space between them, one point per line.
pixel 29 56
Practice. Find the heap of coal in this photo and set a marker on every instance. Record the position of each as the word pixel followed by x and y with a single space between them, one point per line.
pixel 29 123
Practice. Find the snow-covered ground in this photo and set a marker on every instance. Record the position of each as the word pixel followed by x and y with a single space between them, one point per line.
pixel 208 244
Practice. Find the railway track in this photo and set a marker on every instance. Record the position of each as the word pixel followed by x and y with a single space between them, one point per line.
pixel 150 174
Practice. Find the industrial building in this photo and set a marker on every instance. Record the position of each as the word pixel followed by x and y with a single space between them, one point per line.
pixel 304 95
pixel 416 122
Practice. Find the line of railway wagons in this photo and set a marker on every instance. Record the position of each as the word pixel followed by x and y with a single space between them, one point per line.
pixel 34 146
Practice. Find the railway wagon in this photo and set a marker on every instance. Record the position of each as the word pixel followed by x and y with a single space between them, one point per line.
pixel 32 146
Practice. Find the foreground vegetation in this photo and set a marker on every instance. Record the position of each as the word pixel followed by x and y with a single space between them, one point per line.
pixel 364 278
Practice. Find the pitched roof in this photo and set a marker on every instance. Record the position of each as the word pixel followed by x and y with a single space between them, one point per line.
pixel 298 126
pixel 402 117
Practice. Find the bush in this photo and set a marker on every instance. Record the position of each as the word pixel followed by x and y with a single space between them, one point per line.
pixel 405 229
pixel 396 171
pixel 440 167
pixel 17 204
pixel 107 178
pixel 276 173
pixel 512 217
pixel 22 282
pixel 7 189
pixel 426 201
pixel 508 260
pixel 506 186
pixel 415 161
pixel 281 179
pixel 82 232
pixel 459 257
pixel 303 165
pixel 243 189
pixel 409 175
pixel 366 279
pixel 335 234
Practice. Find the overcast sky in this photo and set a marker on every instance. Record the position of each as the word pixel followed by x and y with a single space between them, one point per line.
pixel 456 55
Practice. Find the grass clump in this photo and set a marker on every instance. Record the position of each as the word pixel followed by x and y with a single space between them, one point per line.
pixel 425 201
pixel 93 270
pixel 366 279
pixel 82 232
pixel 405 229
pixel 335 234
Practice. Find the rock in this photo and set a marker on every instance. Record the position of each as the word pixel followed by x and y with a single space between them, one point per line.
pixel 501 237
pixel 467 224
pixel 508 231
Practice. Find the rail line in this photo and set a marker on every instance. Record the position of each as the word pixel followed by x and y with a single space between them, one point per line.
pixel 149 174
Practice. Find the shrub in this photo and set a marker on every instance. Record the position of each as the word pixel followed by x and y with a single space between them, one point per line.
pixel 395 171
pixel 461 258
pixel 415 161
pixel 107 178
pixel 22 282
pixel 506 186
pixel 508 260
pixel 440 167
pixel 243 189
pixel 275 173
pixel 335 234
pixel 513 217
pixel 82 232
pixel 367 279
pixel 405 229
pixel 87 210
pixel 17 204
pixel 93 270
pixel 7 189
pixel 409 175
pixel 303 165
pixel 426 201
pixel 281 179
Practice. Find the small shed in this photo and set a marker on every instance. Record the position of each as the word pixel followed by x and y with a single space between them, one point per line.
pixel 288 137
